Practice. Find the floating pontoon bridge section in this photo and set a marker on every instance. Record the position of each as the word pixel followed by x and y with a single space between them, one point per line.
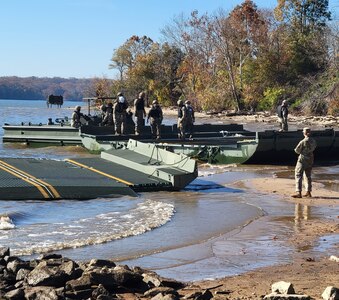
pixel 121 172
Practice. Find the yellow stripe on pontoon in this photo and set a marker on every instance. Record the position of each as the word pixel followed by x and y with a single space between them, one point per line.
pixel 99 172
pixel 39 187
pixel 50 187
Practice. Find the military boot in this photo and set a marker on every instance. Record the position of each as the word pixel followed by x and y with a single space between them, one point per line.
pixel 308 195
pixel 296 195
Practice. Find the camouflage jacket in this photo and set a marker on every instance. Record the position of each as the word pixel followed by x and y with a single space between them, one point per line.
pixel 305 150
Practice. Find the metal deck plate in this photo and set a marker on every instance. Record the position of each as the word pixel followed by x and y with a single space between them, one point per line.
pixel 23 177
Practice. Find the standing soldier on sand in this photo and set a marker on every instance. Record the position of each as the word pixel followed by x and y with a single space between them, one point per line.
pixel 304 164
pixel 283 115
pixel 156 116
pixel 119 111
pixel 181 119
pixel 140 113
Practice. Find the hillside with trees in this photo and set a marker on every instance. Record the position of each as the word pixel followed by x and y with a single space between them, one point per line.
pixel 248 59
pixel 35 88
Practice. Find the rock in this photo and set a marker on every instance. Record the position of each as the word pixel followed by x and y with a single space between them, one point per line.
pixel 275 296
pixel 330 293
pixel 282 287
pixel 165 297
pixel 111 278
pixel 17 294
pixel 50 256
pixel 160 290
pixel 14 264
pixel 44 275
pixel 4 251
pixel 22 274
pixel 200 295
pixel 82 283
pixel 334 258
pixel 80 295
pixel 41 292
pixel 101 291
pixel 102 263
pixel 153 280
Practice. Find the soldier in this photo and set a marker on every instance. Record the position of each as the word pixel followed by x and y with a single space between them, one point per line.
pixel 119 111
pixel 140 113
pixel 181 119
pixel 282 112
pixel 75 122
pixel 304 164
pixel 189 119
pixel 108 116
pixel 156 116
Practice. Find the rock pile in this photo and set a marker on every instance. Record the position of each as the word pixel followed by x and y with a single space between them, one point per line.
pixel 53 277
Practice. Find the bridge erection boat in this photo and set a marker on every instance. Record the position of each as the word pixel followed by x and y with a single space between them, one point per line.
pixel 212 143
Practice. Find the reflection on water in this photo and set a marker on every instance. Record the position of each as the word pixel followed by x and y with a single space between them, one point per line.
pixel 302 212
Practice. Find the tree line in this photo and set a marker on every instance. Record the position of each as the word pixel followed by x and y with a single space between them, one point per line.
pixel 35 88
pixel 247 59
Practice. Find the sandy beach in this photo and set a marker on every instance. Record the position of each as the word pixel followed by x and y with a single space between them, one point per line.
pixel 309 274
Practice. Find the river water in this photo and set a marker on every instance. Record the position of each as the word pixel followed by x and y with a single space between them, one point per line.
pixel 207 230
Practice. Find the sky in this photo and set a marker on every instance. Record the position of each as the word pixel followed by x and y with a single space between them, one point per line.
pixel 76 38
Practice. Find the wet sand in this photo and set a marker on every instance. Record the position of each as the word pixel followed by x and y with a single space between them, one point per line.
pixel 312 241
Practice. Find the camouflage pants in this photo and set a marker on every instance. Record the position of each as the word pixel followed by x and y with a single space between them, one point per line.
pixel 283 124
pixel 302 170
pixel 120 123
pixel 189 129
pixel 140 121
pixel 156 128
pixel 181 128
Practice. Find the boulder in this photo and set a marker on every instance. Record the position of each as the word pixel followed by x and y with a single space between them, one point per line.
pixel 282 287
pixel 14 264
pixel 47 276
pixel 330 293
pixel 102 263
pixel 275 296
pixel 4 251
pixel 160 290
pixel 82 283
pixel 17 294
pixel 41 292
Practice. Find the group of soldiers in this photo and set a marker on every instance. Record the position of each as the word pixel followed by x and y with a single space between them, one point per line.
pixel 117 114
pixel 120 116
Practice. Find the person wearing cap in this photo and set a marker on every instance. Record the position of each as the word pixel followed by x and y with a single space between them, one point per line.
pixel 181 119
pixel 140 113
pixel 75 121
pixel 304 164
pixel 119 112
pixel 189 119
pixel 155 116
pixel 282 112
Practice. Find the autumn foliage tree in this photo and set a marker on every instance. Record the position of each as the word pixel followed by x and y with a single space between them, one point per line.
pixel 245 59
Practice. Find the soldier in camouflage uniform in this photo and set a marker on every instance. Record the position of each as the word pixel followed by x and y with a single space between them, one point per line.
pixel 304 164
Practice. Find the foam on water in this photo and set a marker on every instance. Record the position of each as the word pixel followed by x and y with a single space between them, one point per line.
pixel 6 223
pixel 101 228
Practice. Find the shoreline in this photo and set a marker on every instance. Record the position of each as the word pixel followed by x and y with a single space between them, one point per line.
pixel 309 270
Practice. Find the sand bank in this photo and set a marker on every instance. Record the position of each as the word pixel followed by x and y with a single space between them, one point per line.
pixel 310 271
